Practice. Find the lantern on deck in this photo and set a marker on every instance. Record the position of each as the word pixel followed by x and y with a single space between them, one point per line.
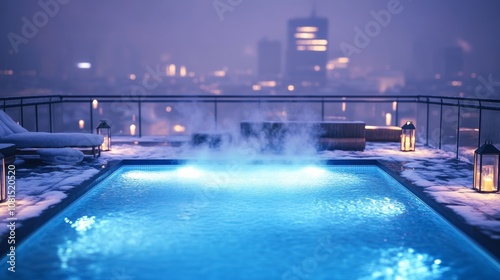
pixel 105 130
pixel 408 137
pixel 486 160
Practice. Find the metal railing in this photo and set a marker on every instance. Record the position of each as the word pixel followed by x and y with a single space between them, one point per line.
pixel 448 123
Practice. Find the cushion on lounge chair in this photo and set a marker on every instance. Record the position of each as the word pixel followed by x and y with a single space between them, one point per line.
pixel 10 124
pixel 60 156
pixel 11 132
pixel 4 131
pixel 52 140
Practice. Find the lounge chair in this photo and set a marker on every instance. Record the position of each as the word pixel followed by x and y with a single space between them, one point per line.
pixel 26 142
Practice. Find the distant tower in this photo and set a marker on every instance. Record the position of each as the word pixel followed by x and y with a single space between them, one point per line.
pixel 453 62
pixel 269 60
pixel 449 63
pixel 307 50
pixel 421 66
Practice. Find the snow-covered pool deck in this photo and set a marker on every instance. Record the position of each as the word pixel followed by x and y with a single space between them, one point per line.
pixel 436 172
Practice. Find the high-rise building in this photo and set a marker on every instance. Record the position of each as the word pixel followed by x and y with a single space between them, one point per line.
pixel 269 60
pixel 307 50
pixel 421 61
pixel 449 63
pixel 453 62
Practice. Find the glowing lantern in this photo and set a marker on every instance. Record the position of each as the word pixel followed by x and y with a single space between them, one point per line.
pixel 133 127
pixel 486 160
pixel 105 130
pixel 408 137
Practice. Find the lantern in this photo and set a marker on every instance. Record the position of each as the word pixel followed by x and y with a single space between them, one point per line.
pixel 408 137
pixel 486 160
pixel 105 130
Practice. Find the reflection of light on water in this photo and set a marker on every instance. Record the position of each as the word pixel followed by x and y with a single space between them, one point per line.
pixel 81 224
pixel 107 237
pixel 68 250
pixel 365 207
pixel 384 206
pixel 401 263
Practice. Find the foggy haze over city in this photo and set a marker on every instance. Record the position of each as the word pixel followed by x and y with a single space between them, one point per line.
pixel 210 35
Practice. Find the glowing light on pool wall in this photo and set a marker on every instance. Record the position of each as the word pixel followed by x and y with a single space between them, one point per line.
pixel 486 160
pixel 95 103
pixel 105 130
pixel 408 137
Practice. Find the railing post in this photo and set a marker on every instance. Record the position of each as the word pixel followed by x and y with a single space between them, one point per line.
pixel 22 112
pixel 91 118
pixel 215 112
pixel 50 116
pixel 458 127
pixel 440 123
pixel 480 124
pixel 427 121
pixel 322 108
pixel 36 117
pixel 397 113
pixel 140 117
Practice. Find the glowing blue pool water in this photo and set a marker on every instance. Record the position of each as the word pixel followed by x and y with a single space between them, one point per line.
pixel 250 222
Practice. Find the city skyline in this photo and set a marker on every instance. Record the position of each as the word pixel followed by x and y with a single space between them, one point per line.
pixel 210 35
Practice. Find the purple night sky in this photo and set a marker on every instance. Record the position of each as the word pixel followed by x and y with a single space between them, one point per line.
pixel 191 33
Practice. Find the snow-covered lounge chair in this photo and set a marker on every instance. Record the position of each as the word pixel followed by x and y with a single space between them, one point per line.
pixel 26 142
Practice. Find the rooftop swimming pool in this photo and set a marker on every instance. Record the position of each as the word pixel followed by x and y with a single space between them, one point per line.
pixel 272 221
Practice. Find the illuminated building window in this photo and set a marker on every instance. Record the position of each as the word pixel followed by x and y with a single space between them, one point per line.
pixel 220 73
pixel 267 83
pixel 307 29
pixel 343 60
pixel 256 87
pixel 312 42
pixel 305 35
pixel 84 65
pixel 170 70
pixel 316 48
pixel 183 71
